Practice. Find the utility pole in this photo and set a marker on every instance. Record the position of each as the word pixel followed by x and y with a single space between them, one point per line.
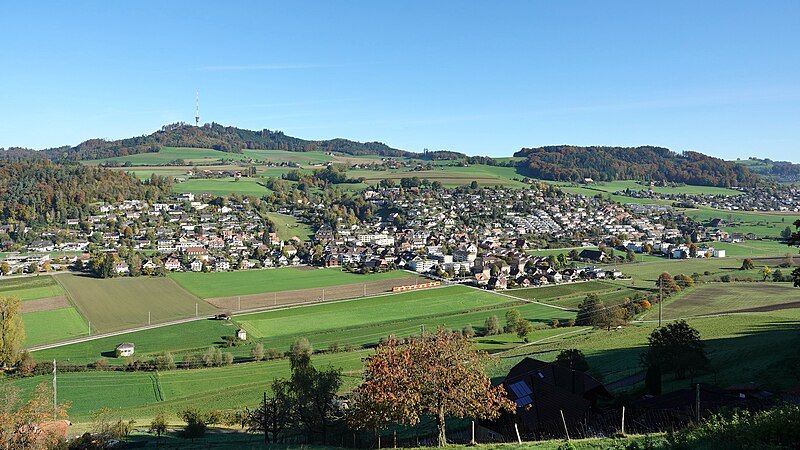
pixel 196 311
pixel 697 402
pixel 148 317
pixel 660 300
pixel 239 300
pixel 55 392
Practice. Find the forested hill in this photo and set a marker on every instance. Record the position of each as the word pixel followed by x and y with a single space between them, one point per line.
pixel 216 136
pixel 570 163
pixel 37 191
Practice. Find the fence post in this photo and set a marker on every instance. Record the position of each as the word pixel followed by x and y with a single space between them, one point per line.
pixel 623 421
pixel 564 421
pixel 697 402
pixel 516 428
pixel 472 441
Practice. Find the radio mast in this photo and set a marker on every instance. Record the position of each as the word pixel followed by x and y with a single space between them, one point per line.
pixel 197 108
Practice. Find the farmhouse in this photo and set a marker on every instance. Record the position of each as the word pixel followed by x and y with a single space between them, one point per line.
pixel 241 334
pixel 542 391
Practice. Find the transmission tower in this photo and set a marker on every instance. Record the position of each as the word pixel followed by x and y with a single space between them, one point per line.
pixel 197 108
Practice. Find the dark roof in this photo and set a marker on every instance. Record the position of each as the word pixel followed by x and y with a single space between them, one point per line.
pixel 543 390
pixel 595 255
pixel 573 381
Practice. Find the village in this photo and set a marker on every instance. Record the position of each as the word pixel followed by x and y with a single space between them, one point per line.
pixel 488 237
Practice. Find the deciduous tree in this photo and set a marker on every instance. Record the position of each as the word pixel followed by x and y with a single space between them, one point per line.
pixel 438 374
pixel 12 330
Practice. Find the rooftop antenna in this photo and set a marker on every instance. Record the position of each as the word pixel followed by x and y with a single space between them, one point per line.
pixel 197 108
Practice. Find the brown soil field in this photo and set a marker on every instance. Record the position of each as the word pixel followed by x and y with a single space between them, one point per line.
pixel 45 304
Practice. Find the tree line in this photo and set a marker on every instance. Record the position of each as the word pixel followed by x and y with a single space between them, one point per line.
pixel 571 163
pixel 40 192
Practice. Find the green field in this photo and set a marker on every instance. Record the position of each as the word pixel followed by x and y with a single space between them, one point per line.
pixel 119 303
pixel 572 294
pixel 223 284
pixel 354 322
pixel 222 186
pixel 206 156
pixel 143 394
pixel 742 348
pixel 761 224
pixel 753 249
pixel 449 176
pixel 719 298
pixel 368 311
pixel 43 327
pixel 288 227
pixel 30 288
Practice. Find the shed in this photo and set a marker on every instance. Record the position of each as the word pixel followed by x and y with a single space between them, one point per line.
pixel 241 334
pixel 125 349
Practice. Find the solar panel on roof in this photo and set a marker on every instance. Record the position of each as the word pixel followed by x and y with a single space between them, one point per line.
pixel 521 389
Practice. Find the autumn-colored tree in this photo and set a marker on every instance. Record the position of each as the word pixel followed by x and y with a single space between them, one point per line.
pixel 747 264
pixel 684 281
pixel 12 330
pixel 440 374
pixel 766 271
pixel 668 283
pixel 21 424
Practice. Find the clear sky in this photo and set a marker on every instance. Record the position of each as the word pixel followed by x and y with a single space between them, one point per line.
pixel 482 77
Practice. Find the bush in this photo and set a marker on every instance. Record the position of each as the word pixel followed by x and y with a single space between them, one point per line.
pixel 774 428
pixel 158 425
pixel 492 326
pixel 196 423
pixel 257 352
pixel 26 366
pixel 274 353
pixel 227 359
pixel 164 361
pixel 467 331
pixel 100 364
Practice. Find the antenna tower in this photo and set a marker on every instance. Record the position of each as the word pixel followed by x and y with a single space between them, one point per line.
pixel 197 108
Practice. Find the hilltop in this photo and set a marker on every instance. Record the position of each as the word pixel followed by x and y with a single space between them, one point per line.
pixel 214 136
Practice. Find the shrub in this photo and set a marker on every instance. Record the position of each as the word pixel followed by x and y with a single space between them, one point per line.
pixel 196 424
pixel 100 364
pixel 257 352
pixel 158 425
pixel 227 359
pixel 26 366
pixel 164 361
pixel 492 326
pixel 274 353
pixel 467 331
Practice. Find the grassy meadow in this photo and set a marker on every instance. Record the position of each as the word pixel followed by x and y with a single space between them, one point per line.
pixel 288 227
pixel 31 288
pixel 118 303
pixel 43 327
pixel 219 284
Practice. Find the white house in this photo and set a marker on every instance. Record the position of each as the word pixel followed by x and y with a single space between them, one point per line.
pixel 125 349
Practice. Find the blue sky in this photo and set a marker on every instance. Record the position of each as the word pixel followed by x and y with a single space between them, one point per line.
pixel 480 77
